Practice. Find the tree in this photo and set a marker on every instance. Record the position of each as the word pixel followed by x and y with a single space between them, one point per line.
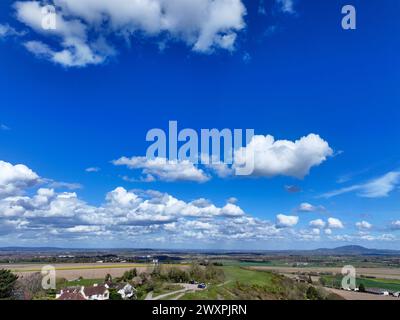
pixel 157 271
pixel 7 282
pixel 108 278
pixel 114 295
pixel 177 275
pixel 129 275
pixel 361 287
pixel 196 273
pixel 28 287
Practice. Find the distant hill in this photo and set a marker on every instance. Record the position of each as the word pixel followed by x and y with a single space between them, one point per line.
pixel 343 250
pixel 355 250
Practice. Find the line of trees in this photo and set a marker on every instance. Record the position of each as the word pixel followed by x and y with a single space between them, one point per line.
pixel 208 273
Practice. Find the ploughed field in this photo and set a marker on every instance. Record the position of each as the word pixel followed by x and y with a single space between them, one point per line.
pixel 72 271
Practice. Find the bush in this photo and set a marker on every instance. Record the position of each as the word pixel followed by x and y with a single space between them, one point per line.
pixel 218 264
pixel 312 293
pixel 114 295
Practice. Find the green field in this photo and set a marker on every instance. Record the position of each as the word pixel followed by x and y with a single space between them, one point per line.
pixel 236 263
pixel 83 282
pixel 242 283
pixel 389 284
pixel 233 274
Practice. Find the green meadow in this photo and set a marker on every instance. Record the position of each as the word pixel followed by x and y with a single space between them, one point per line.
pixel 389 284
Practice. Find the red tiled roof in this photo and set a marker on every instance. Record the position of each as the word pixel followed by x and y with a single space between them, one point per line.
pixel 95 290
pixel 71 295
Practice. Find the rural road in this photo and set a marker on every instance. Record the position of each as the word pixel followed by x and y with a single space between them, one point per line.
pixel 181 292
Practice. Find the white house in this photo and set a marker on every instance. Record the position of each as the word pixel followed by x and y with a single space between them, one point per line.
pixel 126 290
pixel 97 292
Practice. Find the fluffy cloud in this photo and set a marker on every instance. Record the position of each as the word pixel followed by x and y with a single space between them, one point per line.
pixel 271 158
pixel 164 169
pixel 282 157
pixel 232 200
pixel 395 225
pixel 231 210
pixel 376 188
pixel 203 25
pixel 334 223
pixel 48 216
pixel 130 215
pixel 307 207
pixel 327 226
pixel 363 225
pixel 318 223
pixel 76 49
pixel 283 221
pixel 92 169
pixel 15 178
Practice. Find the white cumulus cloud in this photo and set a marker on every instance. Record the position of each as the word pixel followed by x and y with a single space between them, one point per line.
pixel 164 169
pixel 363 225
pixel 308 207
pixel 284 221
pixel 334 223
pixel 283 157
pixel 318 223
pixel 395 225
pixel 85 28
pixel 15 178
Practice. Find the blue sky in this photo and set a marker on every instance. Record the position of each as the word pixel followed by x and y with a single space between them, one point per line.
pixel 283 68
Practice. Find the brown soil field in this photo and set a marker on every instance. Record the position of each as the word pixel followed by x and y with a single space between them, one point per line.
pixel 386 273
pixel 351 295
pixel 72 271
